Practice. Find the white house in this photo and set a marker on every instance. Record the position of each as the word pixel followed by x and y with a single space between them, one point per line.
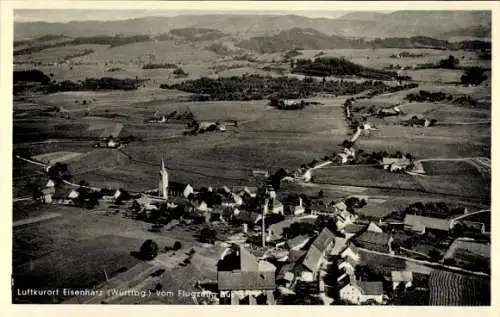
pixel 358 292
pixel 398 277
pixel 50 183
pixel 73 194
pixel 188 190
pixel 344 218
pixel 373 227
pixel 299 209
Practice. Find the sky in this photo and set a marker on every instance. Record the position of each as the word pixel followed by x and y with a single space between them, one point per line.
pixel 103 15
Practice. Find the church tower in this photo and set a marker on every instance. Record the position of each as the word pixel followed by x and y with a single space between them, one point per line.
pixel 163 188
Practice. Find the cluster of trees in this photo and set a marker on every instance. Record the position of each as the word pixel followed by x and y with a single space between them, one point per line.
pixel 160 66
pixel 58 173
pixel 311 39
pixel 295 105
pixel 430 209
pixel 406 55
pixel 449 63
pixel 219 49
pixel 87 198
pixel 30 76
pixel 257 87
pixel 375 157
pixel 388 89
pixel 198 34
pixel 179 72
pixel 333 66
pixel 113 41
pixel 423 96
pixel 473 76
pixel 103 83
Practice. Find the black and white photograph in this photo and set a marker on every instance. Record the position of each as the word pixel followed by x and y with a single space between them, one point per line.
pixel 251 156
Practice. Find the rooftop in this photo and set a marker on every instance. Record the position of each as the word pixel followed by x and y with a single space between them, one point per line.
pixel 427 222
pixel 373 237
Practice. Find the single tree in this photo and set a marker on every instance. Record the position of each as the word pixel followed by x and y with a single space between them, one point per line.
pixel 149 250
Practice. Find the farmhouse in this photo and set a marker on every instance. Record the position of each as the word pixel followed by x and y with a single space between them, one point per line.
pixel 351 230
pixel 422 224
pixel 242 279
pixel 297 243
pixel 299 209
pixel 316 253
pixel 46 195
pixel 358 292
pixel 248 217
pixel 395 164
pixel 374 241
pixel 277 230
pixel 401 277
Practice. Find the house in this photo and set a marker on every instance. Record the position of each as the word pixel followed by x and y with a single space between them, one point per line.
pixel 395 164
pixel 297 243
pixel 345 218
pixel 260 173
pixel 373 227
pixel 352 230
pixel 188 190
pixel 404 277
pixel 347 265
pixel 276 207
pixel 291 269
pixel 46 195
pixel 376 241
pixel 50 183
pixel 422 224
pixel 316 253
pixel 276 231
pixel 241 278
pixel 323 207
pixel 73 194
pixel 358 292
pixel 352 252
pixel 232 200
pixel 339 244
pixel 299 209
pixel 248 217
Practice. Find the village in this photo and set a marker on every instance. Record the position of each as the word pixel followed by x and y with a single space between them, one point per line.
pixel 304 249
pixel 252 159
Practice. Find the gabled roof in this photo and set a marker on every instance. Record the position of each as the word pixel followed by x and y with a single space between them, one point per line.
pixel 371 288
pixel 317 249
pixel 48 191
pixel 353 228
pixel 298 240
pixel 402 276
pixel 393 160
pixel 373 237
pixel 250 276
pixel 373 227
pixel 427 222
pixel 248 216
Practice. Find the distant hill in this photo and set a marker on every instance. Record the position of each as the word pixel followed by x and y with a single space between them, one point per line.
pixel 310 39
pixel 297 39
pixel 481 31
pixel 362 16
pixel 359 24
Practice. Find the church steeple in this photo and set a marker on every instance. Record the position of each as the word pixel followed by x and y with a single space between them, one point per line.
pixel 163 188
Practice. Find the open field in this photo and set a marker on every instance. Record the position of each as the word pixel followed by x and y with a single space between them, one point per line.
pixel 73 250
pixel 364 176
pixel 436 167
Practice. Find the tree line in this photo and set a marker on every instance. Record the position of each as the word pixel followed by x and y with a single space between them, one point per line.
pixel 257 87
